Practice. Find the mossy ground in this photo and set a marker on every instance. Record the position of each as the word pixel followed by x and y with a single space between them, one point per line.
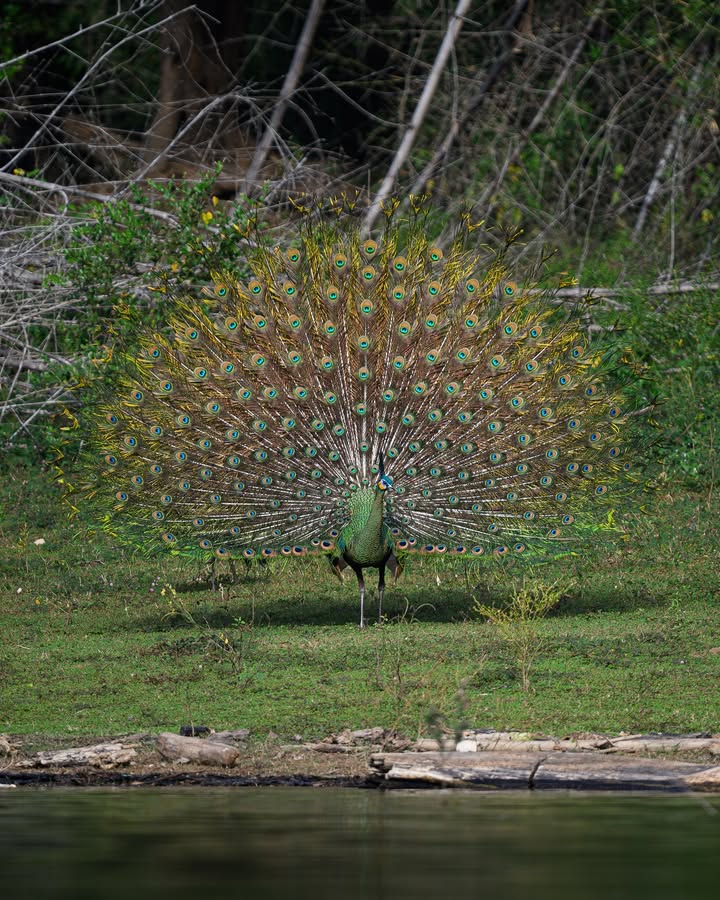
pixel 95 640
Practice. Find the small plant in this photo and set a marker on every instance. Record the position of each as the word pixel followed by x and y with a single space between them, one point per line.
pixel 439 725
pixel 531 600
pixel 392 671
pixel 219 646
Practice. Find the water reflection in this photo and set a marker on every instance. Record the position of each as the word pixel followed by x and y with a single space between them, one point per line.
pixel 305 843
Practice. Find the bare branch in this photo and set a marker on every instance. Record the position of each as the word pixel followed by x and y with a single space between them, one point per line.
pixel 83 79
pixel 37 185
pixel 60 42
pixel 288 89
pixel 514 154
pixel 453 29
pixel 457 122
pixel 666 155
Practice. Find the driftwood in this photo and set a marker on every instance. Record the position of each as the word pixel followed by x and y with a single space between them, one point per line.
pixel 238 736
pixel 458 769
pixel 591 770
pixel 106 756
pixel 519 742
pixel 210 753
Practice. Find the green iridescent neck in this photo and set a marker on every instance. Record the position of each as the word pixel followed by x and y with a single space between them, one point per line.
pixel 365 535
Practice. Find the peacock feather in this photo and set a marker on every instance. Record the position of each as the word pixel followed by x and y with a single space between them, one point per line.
pixel 361 398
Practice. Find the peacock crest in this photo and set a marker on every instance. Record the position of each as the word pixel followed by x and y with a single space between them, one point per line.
pixel 269 417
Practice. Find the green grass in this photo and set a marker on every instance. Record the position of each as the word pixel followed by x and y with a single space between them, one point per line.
pixel 96 641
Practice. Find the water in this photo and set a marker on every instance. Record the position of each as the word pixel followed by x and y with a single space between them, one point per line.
pixel 316 843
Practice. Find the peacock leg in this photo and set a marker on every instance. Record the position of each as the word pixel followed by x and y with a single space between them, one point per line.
pixel 361 585
pixel 381 589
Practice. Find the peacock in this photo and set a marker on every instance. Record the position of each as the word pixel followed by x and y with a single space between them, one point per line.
pixel 365 398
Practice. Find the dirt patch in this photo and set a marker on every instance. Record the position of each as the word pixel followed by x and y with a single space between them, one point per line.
pixel 333 762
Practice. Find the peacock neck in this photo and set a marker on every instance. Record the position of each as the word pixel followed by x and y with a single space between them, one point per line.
pixel 375 518
pixel 365 537
pixel 368 510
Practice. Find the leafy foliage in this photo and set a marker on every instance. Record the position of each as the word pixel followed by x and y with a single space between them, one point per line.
pixel 122 255
pixel 531 601
pixel 678 341
pixel 126 249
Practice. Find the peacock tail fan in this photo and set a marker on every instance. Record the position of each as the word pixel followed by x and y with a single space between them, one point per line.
pixel 252 425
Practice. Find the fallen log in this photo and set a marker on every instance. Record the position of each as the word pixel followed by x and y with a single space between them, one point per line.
pixel 593 771
pixel 667 743
pixel 239 735
pixel 210 753
pixel 577 770
pixel 507 741
pixel 326 747
pixel 707 780
pixel 455 769
pixel 106 756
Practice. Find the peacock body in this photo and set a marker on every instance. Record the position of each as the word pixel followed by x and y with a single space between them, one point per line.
pixel 363 399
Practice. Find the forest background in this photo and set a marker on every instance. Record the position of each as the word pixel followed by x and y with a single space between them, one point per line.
pixel 134 134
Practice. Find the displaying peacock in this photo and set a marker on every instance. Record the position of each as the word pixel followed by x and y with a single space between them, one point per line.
pixel 364 399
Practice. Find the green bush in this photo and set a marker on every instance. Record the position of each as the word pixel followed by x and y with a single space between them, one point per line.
pixel 121 260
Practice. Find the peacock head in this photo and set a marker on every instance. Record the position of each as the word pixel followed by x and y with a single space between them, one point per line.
pixel 385 483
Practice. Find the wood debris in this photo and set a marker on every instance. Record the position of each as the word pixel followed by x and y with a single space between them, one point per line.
pixel 105 756
pixel 177 748
pixel 532 769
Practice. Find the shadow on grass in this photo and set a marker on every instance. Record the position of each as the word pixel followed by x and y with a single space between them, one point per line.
pixel 444 604
pixel 325 609
pixel 607 598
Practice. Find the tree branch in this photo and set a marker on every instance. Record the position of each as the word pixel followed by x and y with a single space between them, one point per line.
pixel 288 89
pixel 10 165
pixel 665 156
pixel 453 29
pixel 457 123
pixel 514 155
pixel 36 184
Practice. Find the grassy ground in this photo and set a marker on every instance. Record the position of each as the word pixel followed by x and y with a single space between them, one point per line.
pixel 95 641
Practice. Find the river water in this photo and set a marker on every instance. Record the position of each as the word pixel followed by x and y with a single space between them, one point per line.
pixel 348 843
